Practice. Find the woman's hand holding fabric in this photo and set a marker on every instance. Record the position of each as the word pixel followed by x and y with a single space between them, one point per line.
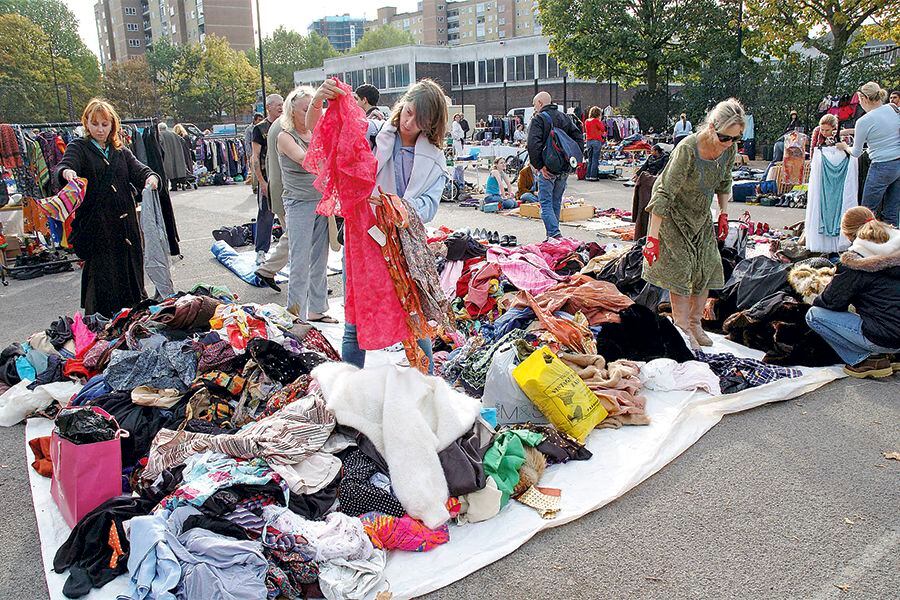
pixel 329 90
pixel 69 175
pixel 152 182
pixel 375 200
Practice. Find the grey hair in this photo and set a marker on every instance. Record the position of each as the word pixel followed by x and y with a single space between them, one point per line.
pixel 287 117
pixel 273 98
pixel 162 126
pixel 725 114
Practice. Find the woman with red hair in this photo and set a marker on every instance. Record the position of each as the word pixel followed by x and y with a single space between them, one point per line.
pixel 105 231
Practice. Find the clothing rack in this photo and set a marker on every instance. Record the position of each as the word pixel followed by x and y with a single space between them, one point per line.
pixel 145 121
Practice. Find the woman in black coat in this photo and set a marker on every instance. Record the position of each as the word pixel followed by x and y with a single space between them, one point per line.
pixel 105 230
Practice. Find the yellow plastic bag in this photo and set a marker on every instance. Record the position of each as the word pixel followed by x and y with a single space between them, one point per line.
pixel 559 393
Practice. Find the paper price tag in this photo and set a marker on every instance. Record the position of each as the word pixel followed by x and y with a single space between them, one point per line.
pixel 377 235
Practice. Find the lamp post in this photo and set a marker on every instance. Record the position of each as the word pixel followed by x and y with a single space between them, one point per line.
pixel 262 69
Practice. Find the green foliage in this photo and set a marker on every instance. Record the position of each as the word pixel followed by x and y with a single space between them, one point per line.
pixel 632 41
pixel 770 89
pixel 59 44
pixel 836 28
pixel 130 88
pixel 286 51
pixel 650 109
pixel 225 82
pixel 379 38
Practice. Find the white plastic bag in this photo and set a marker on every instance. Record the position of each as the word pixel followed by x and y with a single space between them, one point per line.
pixel 18 401
pixel 503 393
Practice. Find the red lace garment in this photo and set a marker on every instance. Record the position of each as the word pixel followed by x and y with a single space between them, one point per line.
pixel 339 154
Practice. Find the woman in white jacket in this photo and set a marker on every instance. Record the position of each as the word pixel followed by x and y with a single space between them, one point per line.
pixel 457 133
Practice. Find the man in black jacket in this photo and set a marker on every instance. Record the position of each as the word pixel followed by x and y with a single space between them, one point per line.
pixel 551 186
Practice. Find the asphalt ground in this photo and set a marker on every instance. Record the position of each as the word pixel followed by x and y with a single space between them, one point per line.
pixel 788 500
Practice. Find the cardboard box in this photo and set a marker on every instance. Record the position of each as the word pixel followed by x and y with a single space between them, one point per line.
pixel 532 210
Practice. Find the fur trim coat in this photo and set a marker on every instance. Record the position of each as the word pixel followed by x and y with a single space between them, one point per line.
pixel 868 278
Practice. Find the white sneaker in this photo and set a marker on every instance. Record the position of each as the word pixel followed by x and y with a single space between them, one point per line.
pixel 260 257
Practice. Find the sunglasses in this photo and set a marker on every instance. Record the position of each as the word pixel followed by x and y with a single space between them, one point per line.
pixel 728 138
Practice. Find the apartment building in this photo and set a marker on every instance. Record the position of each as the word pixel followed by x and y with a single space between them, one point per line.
pixel 121 29
pixel 342 31
pixel 128 28
pixel 461 22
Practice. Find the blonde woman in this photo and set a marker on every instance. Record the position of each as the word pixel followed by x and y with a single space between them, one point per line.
pixel 307 231
pixel 868 277
pixel 105 230
pixel 681 252
pixel 879 128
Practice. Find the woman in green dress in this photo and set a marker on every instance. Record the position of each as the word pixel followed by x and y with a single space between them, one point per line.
pixel 682 253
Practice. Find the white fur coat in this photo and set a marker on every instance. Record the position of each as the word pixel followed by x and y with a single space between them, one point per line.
pixel 409 417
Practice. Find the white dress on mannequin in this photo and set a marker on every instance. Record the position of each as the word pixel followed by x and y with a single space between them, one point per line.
pixel 820 242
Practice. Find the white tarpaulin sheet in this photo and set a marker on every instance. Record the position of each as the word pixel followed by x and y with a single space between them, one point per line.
pixel 623 458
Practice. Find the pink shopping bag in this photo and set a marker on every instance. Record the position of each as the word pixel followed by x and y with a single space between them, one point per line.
pixel 85 475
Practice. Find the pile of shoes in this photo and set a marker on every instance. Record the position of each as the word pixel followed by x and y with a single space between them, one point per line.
pixel 490 237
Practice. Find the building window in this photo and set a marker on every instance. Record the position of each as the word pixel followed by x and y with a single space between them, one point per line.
pixel 398 76
pixel 462 74
pixel 132 43
pixel 131 26
pixel 130 11
pixel 354 78
pixel 193 14
pixel 501 21
pixel 502 34
pixel 377 77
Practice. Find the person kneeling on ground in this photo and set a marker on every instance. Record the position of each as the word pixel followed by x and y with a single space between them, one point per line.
pixel 868 278
pixel 498 189
pixel 527 185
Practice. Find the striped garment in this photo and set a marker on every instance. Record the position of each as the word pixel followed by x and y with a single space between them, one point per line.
pixel 286 438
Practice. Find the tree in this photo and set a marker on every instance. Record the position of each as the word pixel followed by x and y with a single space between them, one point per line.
pixel 173 70
pixel 225 81
pixel 61 28
pixel 846 24
pixel 287 51
pixel 129 87
pixel 631 41
pixel 26 81
pixel 385 36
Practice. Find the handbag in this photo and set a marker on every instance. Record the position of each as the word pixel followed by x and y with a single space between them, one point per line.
pixel 85 475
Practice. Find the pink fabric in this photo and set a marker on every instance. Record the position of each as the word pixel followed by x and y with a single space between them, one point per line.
pixel 340 155
pixel 480 285
pixel 450 275
pixel 524 269
pixel 84 337
pixel 554 249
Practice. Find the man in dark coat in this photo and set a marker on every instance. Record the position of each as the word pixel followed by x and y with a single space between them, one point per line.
pixel 105 230
pixel 551 186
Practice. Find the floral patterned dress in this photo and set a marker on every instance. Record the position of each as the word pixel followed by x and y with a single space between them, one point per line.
pixel 689 261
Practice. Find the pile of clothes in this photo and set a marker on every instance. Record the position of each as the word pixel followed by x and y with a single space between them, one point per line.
pixel 256 464
pixel 259 465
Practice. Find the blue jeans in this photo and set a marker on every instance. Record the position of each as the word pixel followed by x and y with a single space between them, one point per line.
pixel 843 332
pixel 594 162
pixel 550 193
pixel 881 193
pixel 527 197
pixel 505 203
pixel 353 354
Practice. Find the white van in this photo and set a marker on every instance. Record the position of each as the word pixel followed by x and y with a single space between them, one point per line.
pixel 525 113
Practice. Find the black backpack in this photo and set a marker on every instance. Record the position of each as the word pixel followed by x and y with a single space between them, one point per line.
pixel 561 153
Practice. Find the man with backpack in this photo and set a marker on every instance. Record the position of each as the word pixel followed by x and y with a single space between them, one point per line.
pixel 555 147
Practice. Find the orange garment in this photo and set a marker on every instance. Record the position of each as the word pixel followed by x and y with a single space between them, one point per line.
pixel 599 301
pixel 391 215
pixel 569 333
pixel 41 448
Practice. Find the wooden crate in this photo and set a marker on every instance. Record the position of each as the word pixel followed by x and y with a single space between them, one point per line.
pixel 568 213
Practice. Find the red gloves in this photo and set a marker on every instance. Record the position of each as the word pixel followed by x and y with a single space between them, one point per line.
pixel 723 226
pixel 651 250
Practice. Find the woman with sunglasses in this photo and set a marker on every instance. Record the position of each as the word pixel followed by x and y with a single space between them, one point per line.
pixel 681 252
